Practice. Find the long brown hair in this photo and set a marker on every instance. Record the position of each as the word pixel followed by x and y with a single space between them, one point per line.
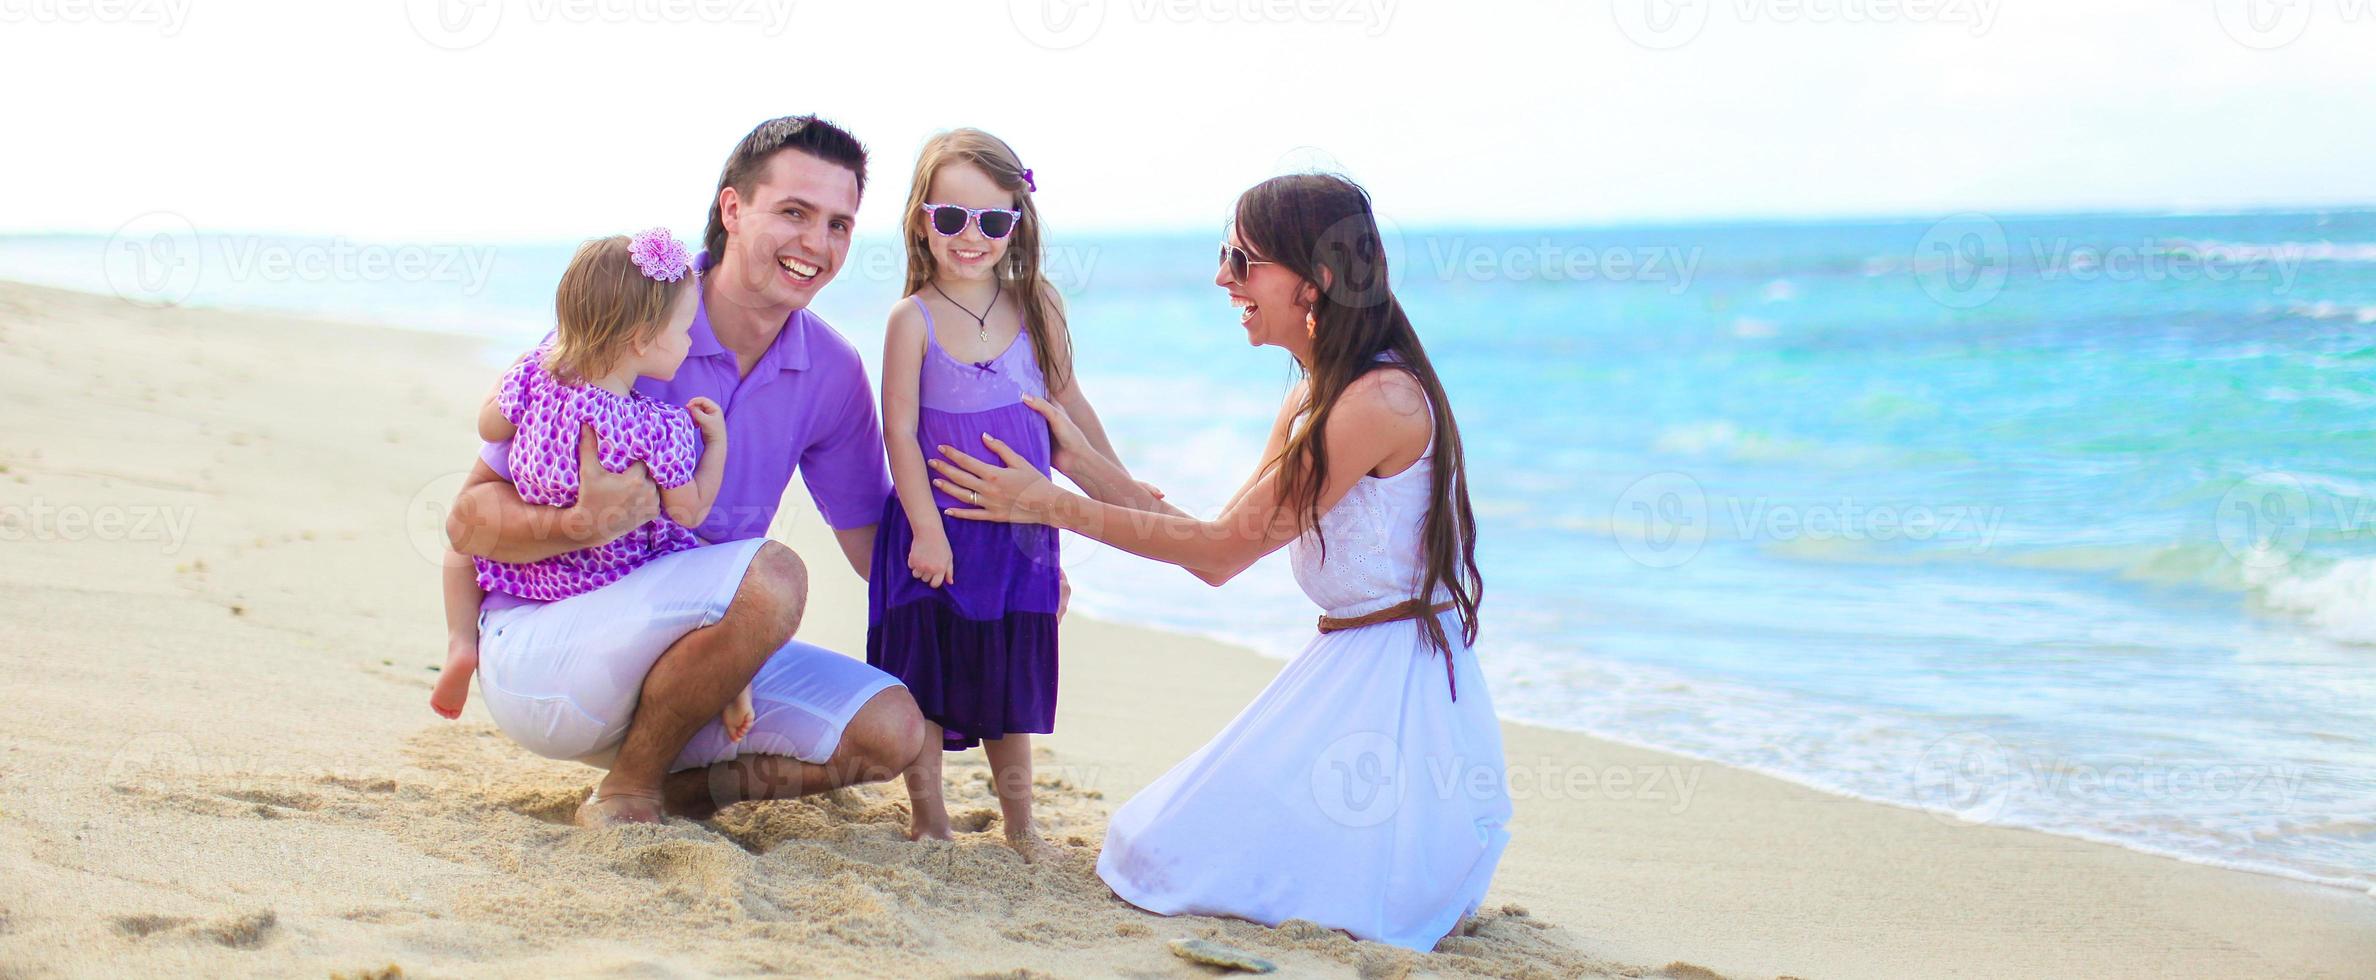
pixel 1321 227
pixel 1020 268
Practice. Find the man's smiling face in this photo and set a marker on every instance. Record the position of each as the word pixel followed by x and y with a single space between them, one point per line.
pixel 791 232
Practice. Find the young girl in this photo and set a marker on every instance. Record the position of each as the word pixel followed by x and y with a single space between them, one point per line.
pixel 964 613
pixel 625 308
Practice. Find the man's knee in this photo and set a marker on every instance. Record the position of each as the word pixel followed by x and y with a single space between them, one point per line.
pixel 776 590
pixel 886 735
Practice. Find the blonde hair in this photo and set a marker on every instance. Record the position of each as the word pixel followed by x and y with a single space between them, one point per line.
pixel 604 306
pixel 1021 266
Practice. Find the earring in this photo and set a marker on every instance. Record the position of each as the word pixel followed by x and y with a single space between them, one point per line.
pixel 1311 324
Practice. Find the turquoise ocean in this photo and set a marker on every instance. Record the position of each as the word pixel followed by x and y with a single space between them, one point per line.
pixel 2064 522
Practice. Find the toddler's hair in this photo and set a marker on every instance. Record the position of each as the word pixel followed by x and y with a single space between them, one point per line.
pixel 605 305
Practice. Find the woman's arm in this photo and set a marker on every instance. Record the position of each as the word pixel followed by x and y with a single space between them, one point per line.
pixel 1276 444
pixel 1098 475
pixel 903 369
pixel 1363 432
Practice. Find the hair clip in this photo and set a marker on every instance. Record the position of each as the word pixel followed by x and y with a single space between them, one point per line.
pixel 658 255
pixel 1027 182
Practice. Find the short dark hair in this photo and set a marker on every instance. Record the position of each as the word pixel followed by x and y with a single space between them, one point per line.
pixel 808 134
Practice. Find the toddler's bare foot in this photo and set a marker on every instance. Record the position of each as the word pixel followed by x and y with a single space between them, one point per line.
pixel 453 683
pixel 929 823
pixel 738 716
pixel 1035 849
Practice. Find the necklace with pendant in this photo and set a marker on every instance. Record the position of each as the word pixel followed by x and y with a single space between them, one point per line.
pixel 981 320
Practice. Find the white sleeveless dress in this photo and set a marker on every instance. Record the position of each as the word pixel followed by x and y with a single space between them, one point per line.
pixel 1355 791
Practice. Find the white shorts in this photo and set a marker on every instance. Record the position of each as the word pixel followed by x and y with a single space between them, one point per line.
pixel 562 678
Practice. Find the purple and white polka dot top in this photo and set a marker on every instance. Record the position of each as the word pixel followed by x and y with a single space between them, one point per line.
pixel 628 429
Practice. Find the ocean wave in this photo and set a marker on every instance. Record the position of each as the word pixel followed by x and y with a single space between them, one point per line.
pixel 2331 310
pixel 2241 252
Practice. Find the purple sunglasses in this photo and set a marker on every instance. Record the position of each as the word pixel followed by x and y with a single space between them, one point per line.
pixel 950 219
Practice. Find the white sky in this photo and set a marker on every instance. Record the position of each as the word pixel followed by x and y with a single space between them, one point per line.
pixel 574 117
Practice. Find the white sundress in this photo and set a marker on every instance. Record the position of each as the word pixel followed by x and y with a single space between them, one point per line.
pixel 1355 791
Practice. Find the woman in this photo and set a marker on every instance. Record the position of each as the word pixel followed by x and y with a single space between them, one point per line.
pixel 1363 789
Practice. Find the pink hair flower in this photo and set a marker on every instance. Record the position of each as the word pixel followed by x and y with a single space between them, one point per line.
pixel 659 255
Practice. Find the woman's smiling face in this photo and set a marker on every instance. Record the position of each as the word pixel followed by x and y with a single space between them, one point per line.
pixel 1269 301
pixel 969 254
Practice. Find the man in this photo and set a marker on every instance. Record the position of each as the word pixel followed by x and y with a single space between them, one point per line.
pixel 633 676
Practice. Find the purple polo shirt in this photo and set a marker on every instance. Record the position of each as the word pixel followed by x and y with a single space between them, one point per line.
pixel 805 405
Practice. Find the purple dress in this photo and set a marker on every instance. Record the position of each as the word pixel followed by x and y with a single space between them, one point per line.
pixel 978 653
pixel 628 429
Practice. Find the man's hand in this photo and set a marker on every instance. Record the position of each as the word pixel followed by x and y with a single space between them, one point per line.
pixel 611 504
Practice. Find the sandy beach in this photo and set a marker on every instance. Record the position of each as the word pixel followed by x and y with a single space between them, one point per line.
pixel 217 757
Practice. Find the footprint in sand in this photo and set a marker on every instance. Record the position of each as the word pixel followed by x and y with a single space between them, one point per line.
pixel 237 932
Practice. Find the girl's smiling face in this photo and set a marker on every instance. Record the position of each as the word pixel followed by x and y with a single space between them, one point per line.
pixel 968 254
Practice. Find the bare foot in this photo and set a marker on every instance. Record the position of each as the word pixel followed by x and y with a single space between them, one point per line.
pixel 738 716
pixel 1034 848
pixel 453 683
pixel 931 821
pixel 617 809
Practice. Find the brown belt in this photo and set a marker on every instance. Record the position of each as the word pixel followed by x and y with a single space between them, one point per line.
pixel 1407 609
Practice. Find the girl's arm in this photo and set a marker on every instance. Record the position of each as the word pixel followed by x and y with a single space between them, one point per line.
pixel 1363 432
pixel 492 426
pixel 903 367
pixel 688 504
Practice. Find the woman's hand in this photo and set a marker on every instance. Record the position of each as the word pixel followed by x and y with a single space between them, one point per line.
pixel 1015 493
pixel 1067 442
